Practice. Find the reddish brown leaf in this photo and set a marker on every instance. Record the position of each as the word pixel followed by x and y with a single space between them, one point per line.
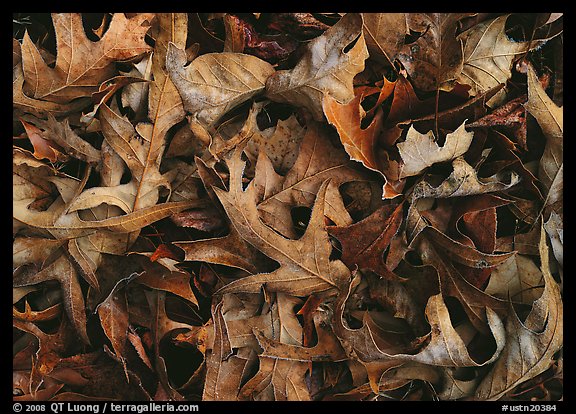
pixel 364 243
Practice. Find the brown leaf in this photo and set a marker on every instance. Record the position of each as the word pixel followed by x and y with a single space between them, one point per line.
pixel 64 272
pixel 328 347
pixel 81 65
pixel 434 60
pixel 385 33
pixel 324 68
pixel 224 371
pixel 215 83
pixel 364 243
pixel 317 160
pixel 42 147
pixel 463 181
pixel 368 343
pixel 530 344
pixel 300 272
pixel 419 151
pixel 358 142
pixel 488 54
pixel 113 314
pixel 162 274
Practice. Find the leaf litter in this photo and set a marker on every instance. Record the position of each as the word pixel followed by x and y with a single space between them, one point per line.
pixel 288 206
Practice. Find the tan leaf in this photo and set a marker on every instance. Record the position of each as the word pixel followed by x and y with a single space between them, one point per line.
pixel 488 56
pixel 455 388
pixel 281 144
pixel 518 278
pixel 324 68
pixel 530 344
pixel 277 380
pixel 81 65
pixel 420 151
pixel 555 229
pixel 33 250
pixel 550 117
pixel 434 60
pixel 163 275
pixel 140 149
pixel 317 161
pixel 305 263
pixel 444 348
pixel 113 314
pixel 328 348
pixel 464 181
pixel 224 371
pixel 23 103
pixel 214 83
pixel 385 33
pixel 63 271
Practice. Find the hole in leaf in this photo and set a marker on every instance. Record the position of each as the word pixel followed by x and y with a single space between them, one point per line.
pixel 350 45
pixel 300 218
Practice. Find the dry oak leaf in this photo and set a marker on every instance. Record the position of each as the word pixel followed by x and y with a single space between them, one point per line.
pixel 464 181
pixel 81 65
pixel 230 250
pixel 488 56
pixel 23 103
pixel 305 265
pixel 550 117
pixel 518 278
pixel 327 67
pixel 358 142
pixel 530 344
pixel 281 143
pixel 277 380
pixel 434 60
pixel 65 273
pixel 445 347
pixel 224 370
pixel 364 243
pixel 317 161
pixel 214 83
pixel 385 34
pixel 419 151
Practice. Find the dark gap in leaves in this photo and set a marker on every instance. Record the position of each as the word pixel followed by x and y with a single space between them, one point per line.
pixel 412 36
pixel 413 258
pixel 456 310
pixel 214 26
pixel 126 176
pixel 482 348
pixel 300 218
pixel 272 113
pixel 181 310
pixel 465 373
pixel 91 22
pixel 178 372
pixel 505 222
pixel 350 45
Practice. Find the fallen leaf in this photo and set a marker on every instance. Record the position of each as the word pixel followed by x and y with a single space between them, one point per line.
pixel 299 272
pixel 385 33
pixel 205 86
pixel 317 160
pixel 358 142
pixel 81 65
pixel 488 55
pixel 434 60
pixel 463 181
pixel 420 151
pixel 530 344
pixel 364 243
pixel 324 68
